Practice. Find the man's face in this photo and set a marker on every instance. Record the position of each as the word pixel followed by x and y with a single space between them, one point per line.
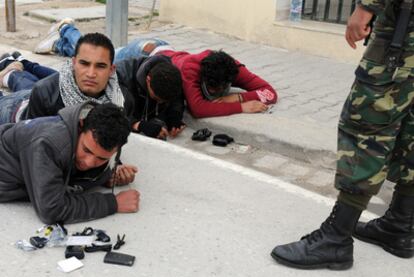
pixel 92 68
pixel 89 154
pixel 212 93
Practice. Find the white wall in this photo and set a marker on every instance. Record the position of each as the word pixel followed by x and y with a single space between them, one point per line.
pixel 262 21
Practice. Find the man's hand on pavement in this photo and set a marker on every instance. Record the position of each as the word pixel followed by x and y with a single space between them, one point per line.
pixel 253 106
pixel 176 131
pixel 358 26
pixel 125 174
pixel 163 133
pixel 151 129
pixel 128 201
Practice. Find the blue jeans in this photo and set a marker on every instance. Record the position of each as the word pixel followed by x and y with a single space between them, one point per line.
pixel 33 72
pixel 134 49
pixel 66 44
pixel 10 103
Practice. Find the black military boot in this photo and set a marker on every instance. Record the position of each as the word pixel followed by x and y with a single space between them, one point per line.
pixel 331 246
pixel 394 231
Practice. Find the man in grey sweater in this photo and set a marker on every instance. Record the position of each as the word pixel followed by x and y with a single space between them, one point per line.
pixel 53 160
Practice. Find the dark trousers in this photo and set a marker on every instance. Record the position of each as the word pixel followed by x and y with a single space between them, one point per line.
pixel 33 72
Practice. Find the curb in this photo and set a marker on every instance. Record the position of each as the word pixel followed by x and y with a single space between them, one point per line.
pixel 289 137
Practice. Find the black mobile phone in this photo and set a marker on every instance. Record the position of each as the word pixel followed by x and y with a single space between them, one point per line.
pixel 119 258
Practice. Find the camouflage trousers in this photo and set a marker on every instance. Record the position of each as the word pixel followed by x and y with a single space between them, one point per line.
pixel 376 131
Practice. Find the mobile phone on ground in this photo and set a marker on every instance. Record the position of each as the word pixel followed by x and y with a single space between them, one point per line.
pixel 119 258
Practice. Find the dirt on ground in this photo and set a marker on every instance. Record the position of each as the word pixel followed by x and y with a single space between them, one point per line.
pixel 31 30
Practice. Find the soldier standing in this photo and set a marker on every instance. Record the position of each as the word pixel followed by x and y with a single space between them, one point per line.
pixel 375 140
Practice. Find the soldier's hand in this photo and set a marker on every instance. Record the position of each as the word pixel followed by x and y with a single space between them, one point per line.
pixel 358 26
pixel 253 107
pixel 128 201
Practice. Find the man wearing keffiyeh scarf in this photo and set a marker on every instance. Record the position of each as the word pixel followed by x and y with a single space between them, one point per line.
pixel 71 94
pixel 88 76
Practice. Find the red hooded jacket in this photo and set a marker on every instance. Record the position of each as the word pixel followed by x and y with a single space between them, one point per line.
pixel 190 67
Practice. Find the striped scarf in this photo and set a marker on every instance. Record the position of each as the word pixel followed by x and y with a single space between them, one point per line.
pixel 71 94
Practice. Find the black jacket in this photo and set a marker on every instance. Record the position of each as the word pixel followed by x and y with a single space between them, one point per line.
pixel 37 163
pixel 132 74
pixel 45 99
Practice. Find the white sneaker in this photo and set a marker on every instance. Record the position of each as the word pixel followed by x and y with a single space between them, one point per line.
pixel 46 45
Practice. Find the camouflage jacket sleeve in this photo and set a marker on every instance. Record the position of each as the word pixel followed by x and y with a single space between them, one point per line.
pixel 375 6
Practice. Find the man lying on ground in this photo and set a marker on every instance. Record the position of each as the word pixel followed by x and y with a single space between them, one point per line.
pixel 18 73
pixel 52 161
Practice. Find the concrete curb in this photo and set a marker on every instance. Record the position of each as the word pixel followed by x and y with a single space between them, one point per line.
pixel 300 140
pixel 83 14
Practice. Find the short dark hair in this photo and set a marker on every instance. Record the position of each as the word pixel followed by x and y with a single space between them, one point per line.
pixel 218 69
pixel 109 125
pixel 96 39
pixel 166 81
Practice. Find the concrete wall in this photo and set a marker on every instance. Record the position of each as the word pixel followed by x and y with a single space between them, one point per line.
pixel 263 21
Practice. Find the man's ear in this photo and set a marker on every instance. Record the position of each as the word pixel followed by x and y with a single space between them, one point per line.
pixel 73 60
pixel 81 122
pixel 113 68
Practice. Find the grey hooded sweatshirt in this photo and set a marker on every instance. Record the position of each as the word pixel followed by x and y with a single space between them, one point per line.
pixel 37 163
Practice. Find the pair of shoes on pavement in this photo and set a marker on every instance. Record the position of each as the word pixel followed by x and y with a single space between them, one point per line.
pixel 8 58
pixel 331 246
pixel 5 59
pixel 46 46
pixel 16 55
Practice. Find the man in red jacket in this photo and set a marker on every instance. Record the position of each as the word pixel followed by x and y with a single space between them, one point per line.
pixel 207 79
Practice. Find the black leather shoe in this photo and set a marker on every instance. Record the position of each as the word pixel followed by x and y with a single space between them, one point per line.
pixel 5 60
pixel 16 55
pixel 331 246
pixel 394 230
pixel 5 55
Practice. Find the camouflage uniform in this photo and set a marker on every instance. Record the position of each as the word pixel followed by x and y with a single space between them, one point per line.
pixel 376 127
